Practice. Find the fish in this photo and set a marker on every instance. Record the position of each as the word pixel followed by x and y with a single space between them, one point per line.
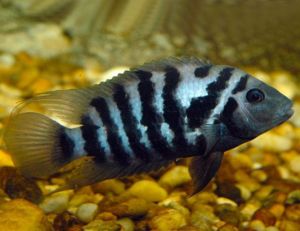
pixel 142 120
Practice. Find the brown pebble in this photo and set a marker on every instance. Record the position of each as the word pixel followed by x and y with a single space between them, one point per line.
pixel 228 227
pixel 265 216
pixel 133 207
pixel 67 222
pixel 230 191
pixel 292 212
pixel 228 213
pixel 17 186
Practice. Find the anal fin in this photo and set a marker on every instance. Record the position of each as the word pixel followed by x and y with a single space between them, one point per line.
pixel 203 169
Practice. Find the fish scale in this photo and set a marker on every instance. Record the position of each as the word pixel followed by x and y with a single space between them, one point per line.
pixel 144 119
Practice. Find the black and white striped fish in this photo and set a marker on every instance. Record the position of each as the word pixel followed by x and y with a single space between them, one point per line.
pixel 144 119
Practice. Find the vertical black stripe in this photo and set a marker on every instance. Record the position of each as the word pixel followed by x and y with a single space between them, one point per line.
pixel 226 115
pixel 201 107
pixel 202 72
pixel 241 85
pixel 66 144
pixel 130 123
pixel 90 136
pixel 113 138
pixel 215 88
pixel 173 114
pixel 150 118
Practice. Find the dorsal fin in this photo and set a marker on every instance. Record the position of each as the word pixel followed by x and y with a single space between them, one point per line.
pixel 68 106
pixel 162 64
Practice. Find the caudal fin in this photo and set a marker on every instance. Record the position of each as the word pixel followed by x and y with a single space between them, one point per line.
pixel 37 144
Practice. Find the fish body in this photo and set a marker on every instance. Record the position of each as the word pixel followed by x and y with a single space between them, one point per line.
pixel 144 119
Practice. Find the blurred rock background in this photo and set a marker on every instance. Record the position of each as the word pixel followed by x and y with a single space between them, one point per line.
pixel 263 33
pixel 61 44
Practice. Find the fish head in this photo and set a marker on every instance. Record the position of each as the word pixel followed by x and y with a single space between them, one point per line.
pixel 256 109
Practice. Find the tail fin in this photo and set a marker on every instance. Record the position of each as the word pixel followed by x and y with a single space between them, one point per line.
pixel 36 143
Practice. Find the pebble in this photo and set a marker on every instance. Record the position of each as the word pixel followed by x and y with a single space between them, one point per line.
pixel 56 203
pixel 148 190
pixel 21 215
pixel 167 219
pixel 133 207
pixel 126 223
pixel 80 198
pixel 293 197
pixel 296 117
pixel 249 209
pixel 228 227
pixel 277 210
pixel 99 225
pixel 86 212
pixel 17 186
pixel 203 216
pixel 287 225
pixel 176 176
pixel 5 159
pixel 114 186
pixel 292 212
pixel 265 216
pixel 229 191
pixel 229 214
pixel 66 221
pixel 294 164
pixel 257 225
pixel 272 142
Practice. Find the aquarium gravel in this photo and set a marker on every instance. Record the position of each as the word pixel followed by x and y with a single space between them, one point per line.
pixel 257 187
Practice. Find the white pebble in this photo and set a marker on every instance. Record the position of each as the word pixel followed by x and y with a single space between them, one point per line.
pixel 56 203
pixel 86 212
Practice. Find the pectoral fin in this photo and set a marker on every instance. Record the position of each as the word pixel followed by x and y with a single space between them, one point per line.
pixel 203 169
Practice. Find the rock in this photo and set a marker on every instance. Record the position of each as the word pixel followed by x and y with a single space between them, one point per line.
pixel 293 197
pixel 249 209
pixel 272 142
pixel 84 197
pixel 228 227
pixel 286 225
pixel 277 210
pixel 5 159
pixel 259 175
pixel 148 190
pixel 22 215
pixel 109 186
pixel 176 176
pixel 265 216
pixel 126 223
pixel 66 221
pixel 133 207
pixel 99 225
pixel 229 214
pixel 264 192
pixel 230 191
pixel 294 164
pixel 257 225
pixel 167 219
pixel 86 212
pixel 245 192
pixel 296 117
pixel 56 203
pixel 44 40
pixel 203 197
pixel 292 212
pixel 203 217
pixel 17 186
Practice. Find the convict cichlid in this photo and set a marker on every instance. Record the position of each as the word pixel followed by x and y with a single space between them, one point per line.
pixel 144 119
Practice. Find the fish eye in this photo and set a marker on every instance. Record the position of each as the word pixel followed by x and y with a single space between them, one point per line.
pixel 255 96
